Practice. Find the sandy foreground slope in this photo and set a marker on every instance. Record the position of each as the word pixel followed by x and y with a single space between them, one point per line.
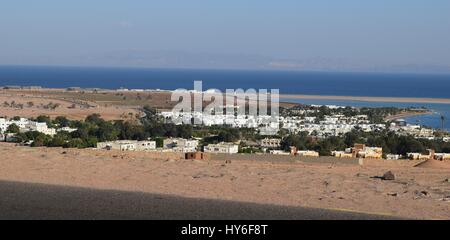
pixel 418 192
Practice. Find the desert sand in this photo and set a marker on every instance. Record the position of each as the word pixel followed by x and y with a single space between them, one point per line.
pixel 418 192
pixel 33 105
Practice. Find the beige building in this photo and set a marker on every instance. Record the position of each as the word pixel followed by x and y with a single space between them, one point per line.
pixel 360 151
pixel 308 153
pixel 442 156
pixel 271 142
pixel 431 155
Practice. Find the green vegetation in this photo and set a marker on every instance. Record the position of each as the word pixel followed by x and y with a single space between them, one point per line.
pixel 95 129
pixel 13 128
pixel 389 141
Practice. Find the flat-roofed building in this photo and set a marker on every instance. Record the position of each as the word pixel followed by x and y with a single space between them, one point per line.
pixel 342 154
pixel 271 142
pixel 145 145
pixel 127 145
pixel 229 148
pixel 393 156
pixel 362 151
pixel 442 156
pixel 181 144
pixel 308 153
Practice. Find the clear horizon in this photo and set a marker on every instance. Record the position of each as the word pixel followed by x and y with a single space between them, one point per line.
pixel 349 35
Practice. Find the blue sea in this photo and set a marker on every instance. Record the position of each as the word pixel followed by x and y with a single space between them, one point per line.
pixel 313 83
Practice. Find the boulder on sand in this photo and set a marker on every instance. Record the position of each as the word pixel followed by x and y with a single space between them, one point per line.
pixel 389 176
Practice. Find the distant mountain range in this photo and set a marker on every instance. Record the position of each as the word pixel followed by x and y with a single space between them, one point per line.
pixel 184 59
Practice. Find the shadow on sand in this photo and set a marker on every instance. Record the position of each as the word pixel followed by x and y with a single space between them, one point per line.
pixel 40 201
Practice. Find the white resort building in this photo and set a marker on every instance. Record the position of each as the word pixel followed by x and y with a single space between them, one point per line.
pixel 127 145
pixel 181 144
pixel 229 148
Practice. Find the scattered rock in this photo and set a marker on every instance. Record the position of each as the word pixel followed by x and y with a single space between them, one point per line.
pixel 326 183
pixel 362 175
pixel 446 199
pixel 198 175
pixel 64 152
pixel 227 161
pixel 447 180
pixel 421 194
pixel 202 175
pixel 388 176
pixel 217 176
pixel 392 194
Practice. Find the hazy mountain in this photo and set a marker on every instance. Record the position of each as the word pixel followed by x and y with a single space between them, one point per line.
pixel 185 59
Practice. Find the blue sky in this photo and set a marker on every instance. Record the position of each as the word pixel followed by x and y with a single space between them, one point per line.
pixel 382 32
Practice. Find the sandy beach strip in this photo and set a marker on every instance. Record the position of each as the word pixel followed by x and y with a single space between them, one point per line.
pixel 367 99
pixel 406 115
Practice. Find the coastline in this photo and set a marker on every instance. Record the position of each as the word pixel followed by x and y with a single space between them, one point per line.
pixel 282 96
pixel 367 98
pixel 406 114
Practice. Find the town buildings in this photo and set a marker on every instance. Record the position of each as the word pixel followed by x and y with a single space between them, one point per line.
pixel 26 125
pixel 432 155
pixel 360 151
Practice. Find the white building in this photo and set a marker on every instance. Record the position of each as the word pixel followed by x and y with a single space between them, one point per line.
pixel 279 152
pixel 3 125
pixel 26 125
pixel 229 148
pixel 67 129
pixel 181 144
pixel 41 127
pixel 145 145
pixel 127 145
pixel 393 156
pixel 21 123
